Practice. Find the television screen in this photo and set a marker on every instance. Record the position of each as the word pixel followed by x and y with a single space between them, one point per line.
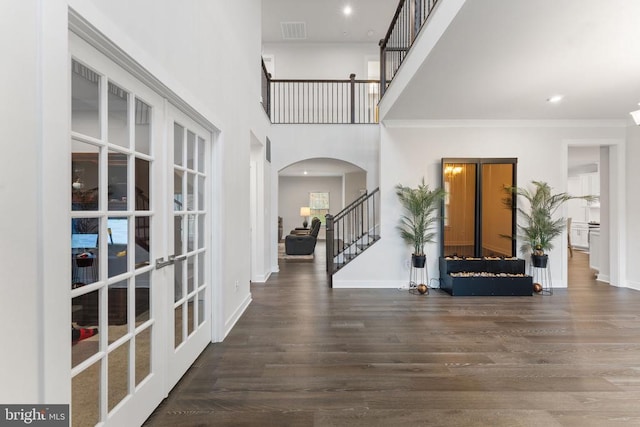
pixel 84 241
pixel 118 231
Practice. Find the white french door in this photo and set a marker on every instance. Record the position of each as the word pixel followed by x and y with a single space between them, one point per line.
pixel 188 241
pixel 140 245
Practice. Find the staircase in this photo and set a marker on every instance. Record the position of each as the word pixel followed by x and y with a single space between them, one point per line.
pixel 352 231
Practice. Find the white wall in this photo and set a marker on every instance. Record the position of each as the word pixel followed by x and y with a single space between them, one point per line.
pixel 174 41
pixel 294 193
pixel 19 183
pixel 408 154
pixel 356 144
pixel 177 43
pixel 632 197
pixel 354 184
pixel 260 213
pixel 321 61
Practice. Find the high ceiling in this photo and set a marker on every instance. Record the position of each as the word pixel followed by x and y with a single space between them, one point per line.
pixel 325 22
pixel 499 59
pixel 502 59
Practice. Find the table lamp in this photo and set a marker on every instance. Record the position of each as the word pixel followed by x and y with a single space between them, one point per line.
pixel 305 212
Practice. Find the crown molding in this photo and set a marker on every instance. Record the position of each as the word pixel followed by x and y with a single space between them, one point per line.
pixel 94 37
pixel 505 123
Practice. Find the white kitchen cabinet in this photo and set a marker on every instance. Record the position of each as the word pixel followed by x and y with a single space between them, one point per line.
pixel 581 211
pixel 580 235
pixel 594 249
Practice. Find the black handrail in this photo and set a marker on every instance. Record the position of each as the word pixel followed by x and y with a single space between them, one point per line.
pixel 324 101
pixel 351 231
pixel 266 90
pixel 350 206
pixel 408 20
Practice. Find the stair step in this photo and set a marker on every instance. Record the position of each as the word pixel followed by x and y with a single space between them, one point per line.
pixel 352 250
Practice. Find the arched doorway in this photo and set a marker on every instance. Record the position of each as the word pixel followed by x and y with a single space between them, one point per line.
pixel 303 182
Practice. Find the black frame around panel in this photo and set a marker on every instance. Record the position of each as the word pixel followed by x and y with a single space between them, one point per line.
pixel 479 162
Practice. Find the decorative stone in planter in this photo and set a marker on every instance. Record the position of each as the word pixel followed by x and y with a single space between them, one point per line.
pixel 485 277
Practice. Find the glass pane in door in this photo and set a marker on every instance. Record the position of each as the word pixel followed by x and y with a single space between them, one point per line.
pixel 118 369
pixel 118 308
pixel 201 305
pixel 85 311
pixel 143 298
pixel 118 177
pixel 85 251
pixel 497 217
pixel 191 148
pixel 191 316
pixel 143 127
pixel 189 244
pixel 85 100
pixel 190 273
pixel 178 145
pixel 459 209
pixel 111 183
pixel 85 183
pixel 143 346
pixel 179 280
pixel 142 185
pixel 118 245
pixel 118 107
pixel 178 318
pixel 178 195
pixel 85 396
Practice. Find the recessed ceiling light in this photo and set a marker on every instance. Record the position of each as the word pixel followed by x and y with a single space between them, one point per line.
pixel 347 10
pixel 555 98
pixel 305 172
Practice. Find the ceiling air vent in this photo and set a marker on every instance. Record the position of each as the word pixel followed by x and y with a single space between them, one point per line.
pixel 294 30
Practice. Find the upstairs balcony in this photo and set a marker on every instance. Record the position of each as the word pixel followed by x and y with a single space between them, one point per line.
pixel 349 101
pixel 410 17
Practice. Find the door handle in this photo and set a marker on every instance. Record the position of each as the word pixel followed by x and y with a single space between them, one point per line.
pixel 171 259
pixel 160 262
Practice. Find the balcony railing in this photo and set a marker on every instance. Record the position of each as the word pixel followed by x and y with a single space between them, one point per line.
pixel 409 18
pixel 352 231
pixel 266 92
pixel 320 101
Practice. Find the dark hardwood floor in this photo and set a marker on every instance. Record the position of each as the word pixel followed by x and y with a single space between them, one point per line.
pixel 306 355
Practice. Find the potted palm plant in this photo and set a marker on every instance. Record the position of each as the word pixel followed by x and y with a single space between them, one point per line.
pixel 538 227
pixel 416 224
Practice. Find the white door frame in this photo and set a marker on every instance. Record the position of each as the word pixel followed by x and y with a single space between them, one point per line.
pixel 144 396
pixel 181 356
pixel 617 212
pixel 79 26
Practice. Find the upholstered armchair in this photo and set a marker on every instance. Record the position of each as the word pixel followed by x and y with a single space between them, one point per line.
pixel 303 244
pixel 299 231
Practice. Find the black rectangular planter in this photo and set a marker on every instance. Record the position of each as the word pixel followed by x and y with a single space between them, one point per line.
pixel 485 286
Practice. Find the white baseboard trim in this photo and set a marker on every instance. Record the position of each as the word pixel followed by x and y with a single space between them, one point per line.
pixel 633 285
pixel 603 278
pixel 275 268
pixel 231 322
pixel 262 278
pixel 369 284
